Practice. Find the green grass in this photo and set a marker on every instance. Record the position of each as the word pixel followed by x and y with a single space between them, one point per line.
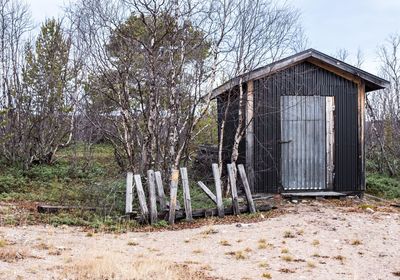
pixel 383 186
pixel 80 178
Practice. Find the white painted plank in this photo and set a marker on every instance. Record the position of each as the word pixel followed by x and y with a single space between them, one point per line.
pixel 218 190
pixel 129 192
pixel 186 194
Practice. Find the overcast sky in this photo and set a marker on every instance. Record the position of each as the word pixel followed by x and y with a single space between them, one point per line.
pixel 329 24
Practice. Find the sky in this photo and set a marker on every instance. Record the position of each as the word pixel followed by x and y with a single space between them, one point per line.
pixel 330 25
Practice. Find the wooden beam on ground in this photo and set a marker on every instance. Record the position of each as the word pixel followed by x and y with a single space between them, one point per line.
pixel 250 202
pixel 207 191
pixel 173 192
pixel 160 190
pixel 218 190
pixel 201 213
pixel 152 194
pixel 232 181
pixel 142 198
pixel 58 208
pixel 186 194
pixel 129 192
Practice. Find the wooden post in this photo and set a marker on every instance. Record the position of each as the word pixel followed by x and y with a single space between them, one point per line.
pixel 160 190
pixel 142 197
pixel 186 194
pixel 218 190
pixel 247 190
pixel 152 194
pixel 250 133
pixel 207 191
pixel 173 191
pixel 232 180
pixel 129 192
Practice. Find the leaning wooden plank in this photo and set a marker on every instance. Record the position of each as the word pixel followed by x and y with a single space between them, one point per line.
pixel 218 190
pixel 207 191
pixel 160 190
pixel 232 181
pixel 152 194
pixel 129 192
pixel 250 202
pixel 186 194
pixel 142 198
pixel 173 191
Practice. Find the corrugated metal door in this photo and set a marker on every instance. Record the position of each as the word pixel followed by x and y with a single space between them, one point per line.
pixel 303 140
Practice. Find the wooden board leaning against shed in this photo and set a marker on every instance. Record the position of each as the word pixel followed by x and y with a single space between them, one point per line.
pixel 150 213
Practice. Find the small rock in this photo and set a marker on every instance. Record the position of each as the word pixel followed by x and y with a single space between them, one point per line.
pixel 369 210
pixel 295 201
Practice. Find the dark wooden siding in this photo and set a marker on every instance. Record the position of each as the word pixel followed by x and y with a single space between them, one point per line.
pixel 304 79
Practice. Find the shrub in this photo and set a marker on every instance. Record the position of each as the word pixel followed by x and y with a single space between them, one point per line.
pixel 383 186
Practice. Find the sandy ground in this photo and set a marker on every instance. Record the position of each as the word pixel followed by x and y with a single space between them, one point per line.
pixel 314 240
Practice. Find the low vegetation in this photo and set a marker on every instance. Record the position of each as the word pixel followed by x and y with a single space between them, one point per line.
pixel 78 177
pixel 383 186
pixel 112 267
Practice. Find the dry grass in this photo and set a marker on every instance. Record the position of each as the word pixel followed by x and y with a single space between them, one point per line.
pixel 43 246
pixel 262 244
pixel 114 267
pixel 340 258
pixel 263 264
pixel 132 243
pixel 3 243
pixel 287 270
pixel 197 251
pixel 266 275
pixel 311 264
pixel 239 255
pixel 315 242
pixel 224 243
pixel 356 242
pixel 209 231
pixel 285 251
pixel 288 234
pixel 287 258
pixel 12 254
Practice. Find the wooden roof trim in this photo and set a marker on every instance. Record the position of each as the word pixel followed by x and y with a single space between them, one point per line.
pixel 331 64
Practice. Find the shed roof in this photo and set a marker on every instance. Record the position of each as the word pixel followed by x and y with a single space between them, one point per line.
pixel 372 82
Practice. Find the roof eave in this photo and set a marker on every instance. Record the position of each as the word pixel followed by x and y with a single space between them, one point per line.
pixel 372 82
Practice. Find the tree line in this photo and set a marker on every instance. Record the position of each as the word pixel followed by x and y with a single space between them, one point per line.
pixel 139 74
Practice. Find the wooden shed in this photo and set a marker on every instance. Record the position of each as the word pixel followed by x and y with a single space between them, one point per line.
pixel 304 119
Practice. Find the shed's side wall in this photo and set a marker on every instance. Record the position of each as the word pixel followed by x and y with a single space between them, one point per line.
pixel 305 79
pixel 231 121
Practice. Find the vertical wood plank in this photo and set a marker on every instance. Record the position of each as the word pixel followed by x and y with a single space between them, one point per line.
pixel 250 202
pixel 250 133
pixel 186 194
pixel 129 192
pixel 141 197
pixel 207 191
pixel 173 191
pixel 160 190
pixel 330 139
pixel 232 181
pixel 218 190
pixel 152 194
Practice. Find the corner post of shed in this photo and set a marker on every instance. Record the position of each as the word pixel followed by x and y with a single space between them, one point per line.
pixel 361 133
pixel 250 133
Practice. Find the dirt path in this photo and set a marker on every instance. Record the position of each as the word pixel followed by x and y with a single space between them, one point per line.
pixel 311 241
